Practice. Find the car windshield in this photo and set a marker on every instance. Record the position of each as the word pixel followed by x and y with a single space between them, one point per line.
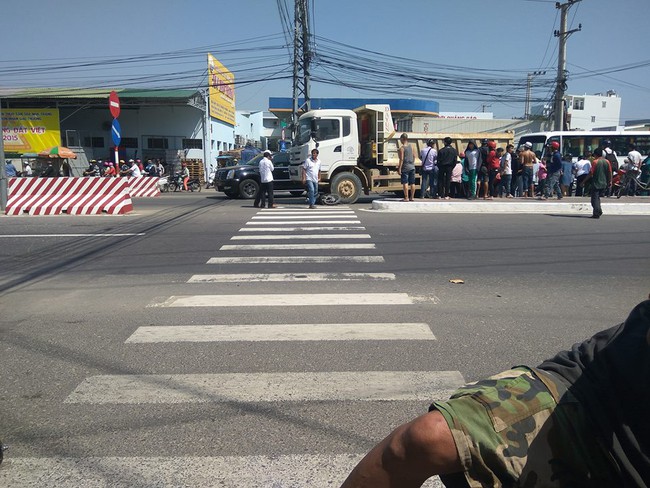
pixel 255 161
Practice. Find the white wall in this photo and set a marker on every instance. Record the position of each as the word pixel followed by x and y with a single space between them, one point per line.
pixel 599 111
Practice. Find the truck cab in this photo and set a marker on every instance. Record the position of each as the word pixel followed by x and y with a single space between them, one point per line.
pixel 345 139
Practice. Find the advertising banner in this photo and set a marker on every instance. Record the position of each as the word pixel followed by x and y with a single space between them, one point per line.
pixel 26 130
pixel 221 91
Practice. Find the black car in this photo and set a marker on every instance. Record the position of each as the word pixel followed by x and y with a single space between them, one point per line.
pixel 243 180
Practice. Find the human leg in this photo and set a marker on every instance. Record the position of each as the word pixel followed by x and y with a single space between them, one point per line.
pixel 595 203
pixel 411 454
pixel 425 176
pixel 269 190
pixel 312 192
pixel 472 183
pixel 263 190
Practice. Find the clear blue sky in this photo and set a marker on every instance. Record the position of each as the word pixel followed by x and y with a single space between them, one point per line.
pixel 515 36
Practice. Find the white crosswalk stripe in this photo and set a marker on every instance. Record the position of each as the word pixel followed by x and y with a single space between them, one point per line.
pixel 423 386
pixel 294 259
pixel 301 228
pixel 303 222
pixel 287 300
pixel 283 332
pixel 276 277
pixel 286 247
pixel 283 471
pixel 299 237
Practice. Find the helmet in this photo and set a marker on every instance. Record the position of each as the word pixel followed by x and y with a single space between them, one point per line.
pixel 607 143
pixel 555 145
pixel 492 144
pixel 485 141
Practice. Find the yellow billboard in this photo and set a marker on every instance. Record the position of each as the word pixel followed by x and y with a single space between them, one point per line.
pixel 221 91
pixel 27 130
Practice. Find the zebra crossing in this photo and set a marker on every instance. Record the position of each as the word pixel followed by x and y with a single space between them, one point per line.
pixel 281 237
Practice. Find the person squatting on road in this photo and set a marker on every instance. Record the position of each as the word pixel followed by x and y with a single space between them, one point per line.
pixel 406 168
pixel 311 177
pixel 266 182
pixel 578 420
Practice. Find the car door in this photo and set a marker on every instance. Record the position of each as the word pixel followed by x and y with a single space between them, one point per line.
pixel 281 179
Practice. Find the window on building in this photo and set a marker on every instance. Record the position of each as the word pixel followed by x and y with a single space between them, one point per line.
pixel 604 104
pixel 129 142
pixel 192 144
pixel 157 143
pixel 96 142
pixel 578 104
pixel 593 119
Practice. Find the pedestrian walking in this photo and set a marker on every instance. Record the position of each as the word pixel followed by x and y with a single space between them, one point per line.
pixel 600 179
pixel 266 182
pixel 311 176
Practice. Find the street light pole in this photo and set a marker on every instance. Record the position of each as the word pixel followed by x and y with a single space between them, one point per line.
pixel 529 83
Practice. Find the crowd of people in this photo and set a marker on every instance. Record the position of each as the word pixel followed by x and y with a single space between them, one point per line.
pixel 489 172
pixel 132 167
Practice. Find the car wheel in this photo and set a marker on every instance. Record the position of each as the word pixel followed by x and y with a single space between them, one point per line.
pixel 296 193
pixel 248 189
pixel 347 186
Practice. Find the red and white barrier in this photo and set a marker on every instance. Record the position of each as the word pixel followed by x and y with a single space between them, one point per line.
pixel 145 186
pixel 74 196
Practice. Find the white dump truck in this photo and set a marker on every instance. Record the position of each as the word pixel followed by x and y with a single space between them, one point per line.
pixel 358 149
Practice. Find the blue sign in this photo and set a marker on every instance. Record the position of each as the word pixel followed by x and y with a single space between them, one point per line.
pixel 116 132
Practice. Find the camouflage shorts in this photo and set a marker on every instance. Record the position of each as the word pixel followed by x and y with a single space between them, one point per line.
pixel 522 428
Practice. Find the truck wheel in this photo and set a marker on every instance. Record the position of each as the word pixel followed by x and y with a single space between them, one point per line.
pixel 248 189
pixel 347 186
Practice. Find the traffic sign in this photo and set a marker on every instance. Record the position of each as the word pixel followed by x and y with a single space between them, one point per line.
pixel 116 132
pixel 114 104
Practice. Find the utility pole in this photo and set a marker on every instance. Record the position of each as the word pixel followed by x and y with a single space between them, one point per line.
pixel 562 74
pixel 529 83
pixel 301 61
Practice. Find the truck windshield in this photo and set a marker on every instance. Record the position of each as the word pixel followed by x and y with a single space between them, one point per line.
pixel 304 131
pixel 321 129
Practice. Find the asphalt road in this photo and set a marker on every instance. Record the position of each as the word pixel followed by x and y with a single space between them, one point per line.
pixel 83 403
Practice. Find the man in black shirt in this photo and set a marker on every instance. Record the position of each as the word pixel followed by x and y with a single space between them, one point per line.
pixel 579 419
pixel 447 159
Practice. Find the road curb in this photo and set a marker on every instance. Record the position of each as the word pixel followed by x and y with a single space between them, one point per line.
pixel 582 207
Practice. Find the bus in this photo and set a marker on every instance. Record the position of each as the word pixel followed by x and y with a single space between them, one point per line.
pixel 576 143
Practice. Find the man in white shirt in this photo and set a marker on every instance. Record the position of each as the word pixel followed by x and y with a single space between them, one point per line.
pixel 266 182
pixel 633 160
pixel 311 176
pixel 581 169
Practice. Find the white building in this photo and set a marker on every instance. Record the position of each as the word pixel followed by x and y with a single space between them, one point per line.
pixel 589 112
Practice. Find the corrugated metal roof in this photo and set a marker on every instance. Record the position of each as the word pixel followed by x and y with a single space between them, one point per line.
pixel 96 93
